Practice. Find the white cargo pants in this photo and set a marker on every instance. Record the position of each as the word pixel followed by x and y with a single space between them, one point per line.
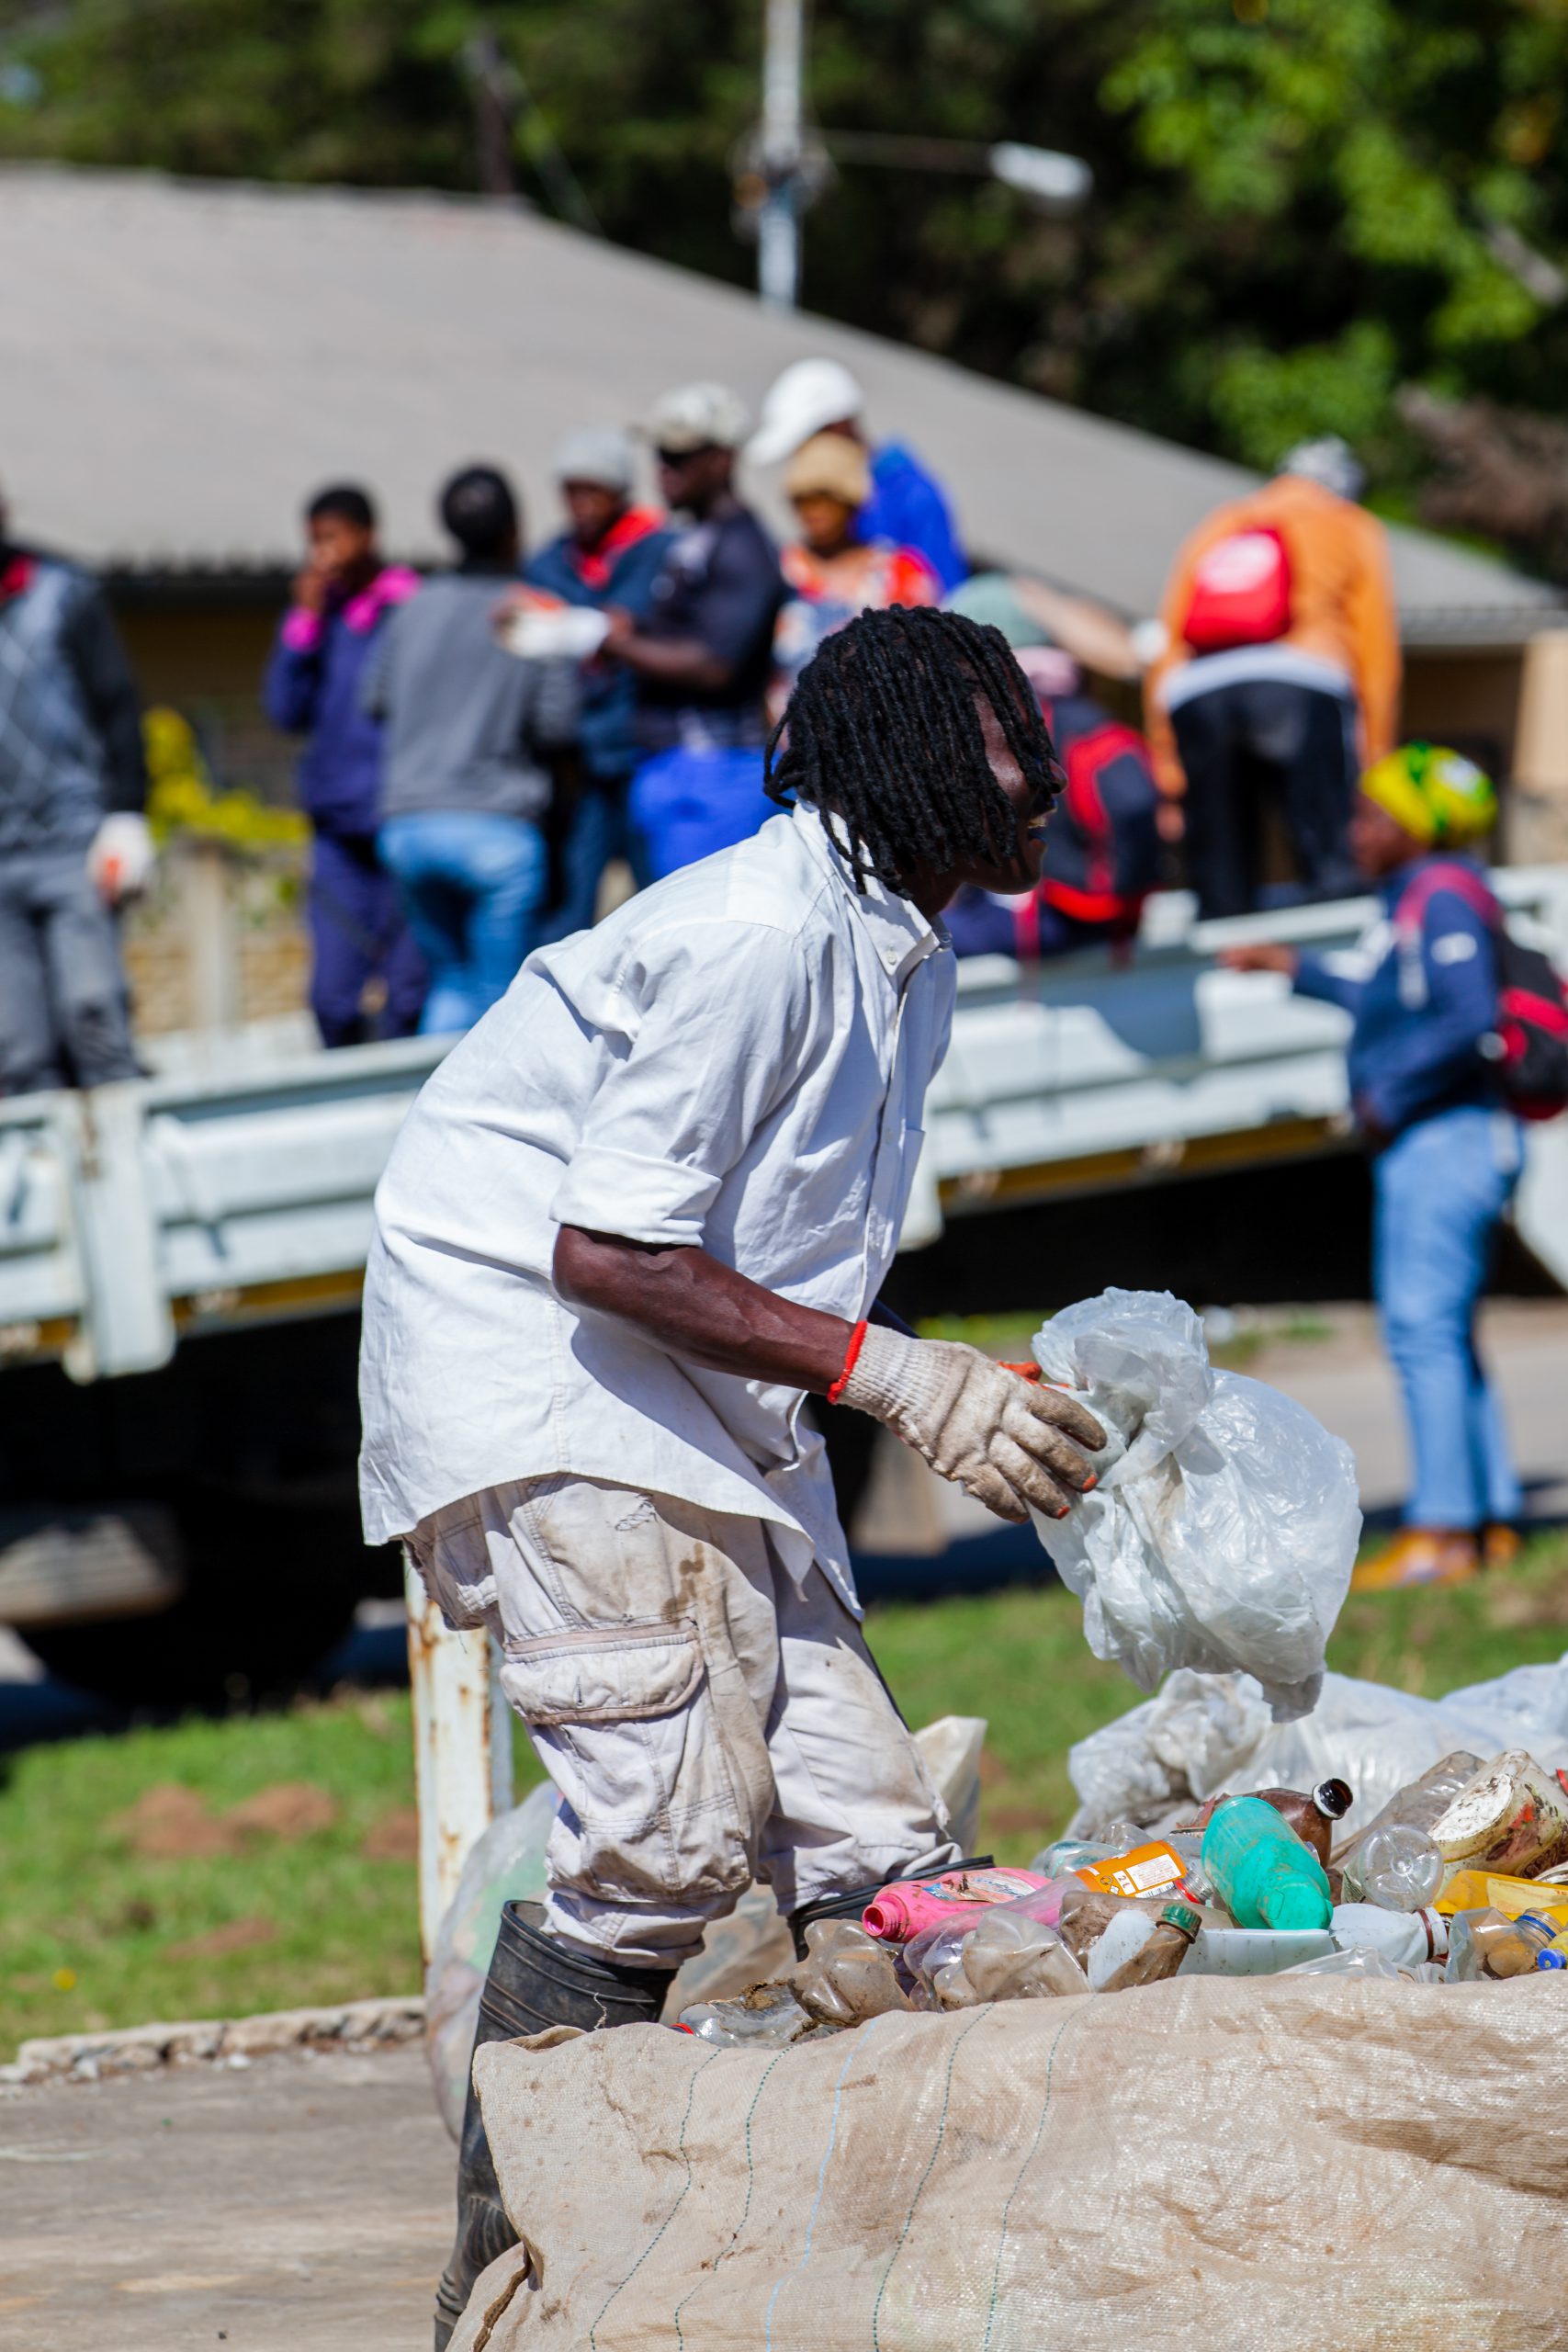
pixel 706 1719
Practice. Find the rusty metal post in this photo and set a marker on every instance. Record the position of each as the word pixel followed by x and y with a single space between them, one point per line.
pixel 462 1748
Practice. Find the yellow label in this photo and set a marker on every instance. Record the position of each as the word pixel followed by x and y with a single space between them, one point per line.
pixel 1482 1890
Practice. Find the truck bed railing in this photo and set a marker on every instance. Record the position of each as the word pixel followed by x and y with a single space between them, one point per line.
pixel 211 1196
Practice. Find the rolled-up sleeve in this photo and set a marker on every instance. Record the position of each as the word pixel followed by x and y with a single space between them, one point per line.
pixel 715 1028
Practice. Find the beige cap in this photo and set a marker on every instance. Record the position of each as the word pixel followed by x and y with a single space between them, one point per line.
pixel 697 416
pixel 830 466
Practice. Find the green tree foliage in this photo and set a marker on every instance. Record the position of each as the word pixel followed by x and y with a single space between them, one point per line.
pixel 1299 204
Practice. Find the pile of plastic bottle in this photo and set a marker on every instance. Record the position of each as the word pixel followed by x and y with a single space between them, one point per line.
pixel 1463 1876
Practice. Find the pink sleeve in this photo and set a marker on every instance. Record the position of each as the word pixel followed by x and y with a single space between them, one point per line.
pixel 302 630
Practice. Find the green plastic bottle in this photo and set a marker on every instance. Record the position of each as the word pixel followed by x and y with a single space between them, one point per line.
pixel 1261 1870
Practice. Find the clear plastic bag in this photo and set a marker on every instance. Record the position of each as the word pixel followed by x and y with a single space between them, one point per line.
pixel 506 1865
pixel 1205 1732
pixel 1222 1531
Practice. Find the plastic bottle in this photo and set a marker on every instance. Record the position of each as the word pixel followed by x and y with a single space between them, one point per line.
pixel 1160 1955
pixel 846 1975
pixel 767 2017
pixel 1312 1815
pixel 1555 1953
pixel 1512 1818
pixel 1484 1944
pixel 904 1911
pixel 1261 1870
pixel 1151 1869
pixel 1397 1867
pixel 1420 1803
pixel 1358 1961
pixel 1401 1936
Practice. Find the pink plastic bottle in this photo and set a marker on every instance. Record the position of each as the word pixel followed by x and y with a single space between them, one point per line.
pixel 909 1908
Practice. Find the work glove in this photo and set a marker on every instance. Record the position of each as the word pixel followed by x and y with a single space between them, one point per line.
pixel 119 861
pixel 1008 1442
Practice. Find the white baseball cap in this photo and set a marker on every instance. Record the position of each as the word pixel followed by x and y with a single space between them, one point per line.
pixel 600 454
pixel 697 416
pixel 809 396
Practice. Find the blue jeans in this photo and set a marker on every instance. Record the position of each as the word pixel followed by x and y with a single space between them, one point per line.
pixel 599 831
pixel 687 803
pixel 471 885
pixel 1438 1191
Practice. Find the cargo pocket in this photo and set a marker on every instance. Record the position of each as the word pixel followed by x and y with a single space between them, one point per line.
pixel 602 1674
pixel 622 1718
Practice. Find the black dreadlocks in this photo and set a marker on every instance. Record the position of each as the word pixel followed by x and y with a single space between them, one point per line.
pixel 883 728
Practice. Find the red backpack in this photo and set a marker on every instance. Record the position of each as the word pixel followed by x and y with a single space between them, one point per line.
pixel 1529 1044
pixel 1102 853
pixel 1241 592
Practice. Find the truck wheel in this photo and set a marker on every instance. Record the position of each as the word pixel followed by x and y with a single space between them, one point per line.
pixel 270 1590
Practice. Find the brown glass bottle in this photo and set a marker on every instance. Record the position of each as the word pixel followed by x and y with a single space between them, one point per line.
pixel 1311 1816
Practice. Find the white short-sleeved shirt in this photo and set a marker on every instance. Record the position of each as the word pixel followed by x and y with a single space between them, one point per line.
pixel 737 1058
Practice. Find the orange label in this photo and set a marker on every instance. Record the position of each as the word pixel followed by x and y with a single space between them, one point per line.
pixel 1147 1870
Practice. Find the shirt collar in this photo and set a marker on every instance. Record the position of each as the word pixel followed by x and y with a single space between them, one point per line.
pixel 900 934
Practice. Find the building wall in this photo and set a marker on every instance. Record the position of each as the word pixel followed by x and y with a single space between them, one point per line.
pixel 205 657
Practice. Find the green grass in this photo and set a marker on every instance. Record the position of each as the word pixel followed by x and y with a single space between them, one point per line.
pixel 87 1925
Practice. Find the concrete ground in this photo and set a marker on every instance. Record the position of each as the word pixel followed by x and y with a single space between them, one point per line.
pixel 299 2205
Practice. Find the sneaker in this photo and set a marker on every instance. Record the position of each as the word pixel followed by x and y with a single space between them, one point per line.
pixel 1500 1544
pixel 1420 1556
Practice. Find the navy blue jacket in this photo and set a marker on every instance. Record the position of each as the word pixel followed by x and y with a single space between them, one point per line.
pixel 1421 1007
pixel 607 733
pixel 313 688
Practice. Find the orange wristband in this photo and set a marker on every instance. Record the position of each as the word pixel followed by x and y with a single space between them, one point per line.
pixel 852 1354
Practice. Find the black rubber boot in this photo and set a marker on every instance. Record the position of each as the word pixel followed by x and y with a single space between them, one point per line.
pixel 534 1982
pixel 853 1900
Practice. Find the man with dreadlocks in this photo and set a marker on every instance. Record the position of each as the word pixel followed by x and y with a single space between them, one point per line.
pixel 639 1213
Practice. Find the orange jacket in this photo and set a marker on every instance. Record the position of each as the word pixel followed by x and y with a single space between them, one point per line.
pixel 1342 605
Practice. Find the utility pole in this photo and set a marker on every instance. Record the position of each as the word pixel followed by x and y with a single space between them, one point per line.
pixel 778 229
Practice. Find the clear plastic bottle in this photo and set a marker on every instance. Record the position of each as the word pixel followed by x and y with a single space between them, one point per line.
pixel 1360 1961
pixel 1397 1867
pixel 1420 1803
pixel 1019 1959
pixel 847 1975
pixel 1485 1944
pixel 1261 1870
pixel 767 2017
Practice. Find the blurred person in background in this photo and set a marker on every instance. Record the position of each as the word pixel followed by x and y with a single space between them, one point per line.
pixel 471 732
pixel 833 571
pixel 1278 680
pixel 906 505
pixel 361 946
pixel 74 838
pixel 1422 997
pixel 703 656
pixel 1103 853
pixel 610 553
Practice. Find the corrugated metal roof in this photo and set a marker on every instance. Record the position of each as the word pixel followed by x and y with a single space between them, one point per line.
pixel 179 362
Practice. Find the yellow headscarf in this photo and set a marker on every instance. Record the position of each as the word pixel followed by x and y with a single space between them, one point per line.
pixel 1438 795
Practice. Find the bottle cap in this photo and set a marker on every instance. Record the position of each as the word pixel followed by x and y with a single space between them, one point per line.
pixel 1182 1916
pixel 1334 1798
pixel 1551 1960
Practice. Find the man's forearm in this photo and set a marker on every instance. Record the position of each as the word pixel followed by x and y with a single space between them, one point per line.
pixel 673 661
pixel 697 1307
